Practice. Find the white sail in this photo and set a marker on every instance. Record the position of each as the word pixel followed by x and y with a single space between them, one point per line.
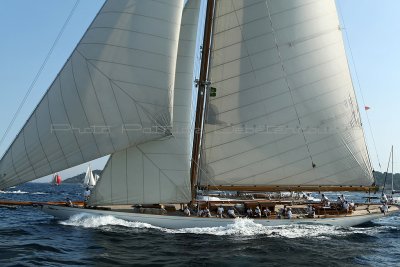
pixel 115 88
pixel 89 179
pixel 285 111
pixel 158 171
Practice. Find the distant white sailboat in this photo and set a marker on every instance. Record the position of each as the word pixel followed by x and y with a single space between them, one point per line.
pixel 276 111
pixel 89 180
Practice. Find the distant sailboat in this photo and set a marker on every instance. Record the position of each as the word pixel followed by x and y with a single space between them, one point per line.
pixel 56 179
pixel 90 180
pixel 276 111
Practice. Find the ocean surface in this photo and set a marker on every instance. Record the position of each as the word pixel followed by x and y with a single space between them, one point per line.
pixel 29 237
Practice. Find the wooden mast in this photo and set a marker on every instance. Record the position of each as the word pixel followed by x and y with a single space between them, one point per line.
pixel 201 96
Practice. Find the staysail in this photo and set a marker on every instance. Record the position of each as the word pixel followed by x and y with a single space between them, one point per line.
pixel 114 91
pixel 285 111
pixel 158 171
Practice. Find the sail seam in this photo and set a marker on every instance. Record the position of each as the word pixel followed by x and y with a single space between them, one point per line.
pixel 287 75
pixel 160 170
pixel 136 102
pixel 132 31
pixel 276 111
pixel 281 94
pixel 267 18
pixel 140 15
pixel 119 109
pixel 80 101
pixel 308 170
pixel 55 133
pixel 68 119
pixel 320 48
pixel 83 44
pixel 13 165
pixel 40 142
pixel 269 157
pixel 97 97
pixel 128 65
pixel 27 155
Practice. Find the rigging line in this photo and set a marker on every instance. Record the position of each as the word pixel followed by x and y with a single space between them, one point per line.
pixel 386 173
pixel 287 83
pixel 39 72
pixel 359 86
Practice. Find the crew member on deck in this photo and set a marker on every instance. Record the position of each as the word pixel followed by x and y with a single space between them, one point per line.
pixel 289 213
pixel 186 211
pixel 231 213
pixel 69 203
pixel 325 200
pixel 384 198
pixel 86 196
pixel 257 212
pixel 220 211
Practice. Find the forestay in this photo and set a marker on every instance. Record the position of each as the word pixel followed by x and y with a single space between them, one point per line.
pixel 285 111
pixel 117 82
pixel 158 171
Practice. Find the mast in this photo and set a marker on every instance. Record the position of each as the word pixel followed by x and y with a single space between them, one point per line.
pixel 202 85
pixel 392 172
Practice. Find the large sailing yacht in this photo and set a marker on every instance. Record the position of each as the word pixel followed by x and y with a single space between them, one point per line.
pixel 276 111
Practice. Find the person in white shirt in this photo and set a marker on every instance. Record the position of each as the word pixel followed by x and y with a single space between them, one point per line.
pixel 325 200
pixel 186 211
pixel 384 208
pixel 249 213
pixel 310 211
pixel 257 212
pixel 231 213
pixel 266 212
pixel 86 196
pixel 384 198
pixel 206 212
pixel 220 211
pixel 289 213
pixel 346 206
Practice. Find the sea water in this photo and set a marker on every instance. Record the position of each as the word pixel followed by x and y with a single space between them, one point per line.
pixel 29 237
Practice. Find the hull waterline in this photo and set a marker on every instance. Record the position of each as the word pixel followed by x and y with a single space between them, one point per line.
pixel 178 222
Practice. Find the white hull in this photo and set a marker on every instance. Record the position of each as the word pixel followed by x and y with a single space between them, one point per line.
pixel 178 222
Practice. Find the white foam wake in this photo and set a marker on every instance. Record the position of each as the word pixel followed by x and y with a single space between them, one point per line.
pixel 241 227
pixel 90 221
pixel 247 227
pixel 14 192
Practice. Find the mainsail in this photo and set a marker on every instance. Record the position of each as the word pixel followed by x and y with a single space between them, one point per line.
pixel 285 111
pixel 158 171
pixel 115 88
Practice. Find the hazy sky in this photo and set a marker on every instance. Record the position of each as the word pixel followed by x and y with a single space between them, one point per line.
pixel 29 28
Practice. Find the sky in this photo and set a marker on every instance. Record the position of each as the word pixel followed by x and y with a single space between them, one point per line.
pixel 29 28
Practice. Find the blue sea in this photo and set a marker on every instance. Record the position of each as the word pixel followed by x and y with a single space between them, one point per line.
pixel 29 237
